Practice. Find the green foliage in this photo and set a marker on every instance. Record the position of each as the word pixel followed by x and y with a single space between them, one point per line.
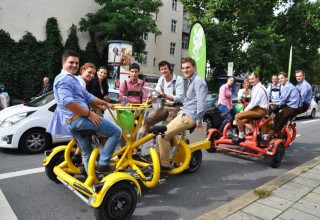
pixel 267 28
pixel 122 20
pixel 72 42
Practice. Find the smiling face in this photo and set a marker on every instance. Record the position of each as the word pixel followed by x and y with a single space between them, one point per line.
pixel 71 64
pixel 299 76
pixel 275 80
pixel 102 73
pixel 230 81
pixel 134 75
pixel 88 74
pixel 282 79
pixel 164 71
pixel 253 79
pixel 188 70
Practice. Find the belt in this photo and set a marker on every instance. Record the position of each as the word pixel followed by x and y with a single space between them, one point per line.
pixel 72 119
pixel 173 104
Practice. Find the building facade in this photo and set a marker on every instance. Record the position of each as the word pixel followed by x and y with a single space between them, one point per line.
pixel 17 17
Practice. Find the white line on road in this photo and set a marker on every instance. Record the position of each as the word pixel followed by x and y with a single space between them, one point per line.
pixel 5 209
pixel 21 173
pixel 309 121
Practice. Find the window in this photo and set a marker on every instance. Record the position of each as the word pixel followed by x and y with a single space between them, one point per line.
pixel 155 38
pixel 174 4
pixel 154 62
pixel 172 68
pixel 145 36
pixel 173 25
pixel 185 41
pixel 185 25
pixel 144 60
pixel 172 48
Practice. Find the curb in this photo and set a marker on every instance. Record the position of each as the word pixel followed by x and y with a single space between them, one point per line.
pixel 250 197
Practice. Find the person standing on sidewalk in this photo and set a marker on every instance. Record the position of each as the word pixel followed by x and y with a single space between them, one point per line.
pixel 72 101
pixel 191 113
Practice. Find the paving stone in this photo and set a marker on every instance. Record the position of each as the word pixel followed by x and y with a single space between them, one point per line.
pixel 241 216
pixel 296 187
pixel 308 207
pixel 311 176
pixel 261 211
pixel 313 197
pixel 276 202
pixel 305 181
pixel 315 171
pixel 288 194
pixel 294 214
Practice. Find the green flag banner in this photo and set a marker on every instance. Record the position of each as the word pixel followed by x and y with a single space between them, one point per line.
pixel 197 48
pixel 290 62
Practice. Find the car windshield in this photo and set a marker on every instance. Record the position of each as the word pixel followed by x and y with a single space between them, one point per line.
pixel 42 100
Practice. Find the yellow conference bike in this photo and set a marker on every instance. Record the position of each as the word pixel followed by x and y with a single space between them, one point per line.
pixel 115 195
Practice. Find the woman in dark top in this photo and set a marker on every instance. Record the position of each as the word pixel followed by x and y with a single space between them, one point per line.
pixel 99 87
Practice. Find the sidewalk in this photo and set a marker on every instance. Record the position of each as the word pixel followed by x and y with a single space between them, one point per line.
pixel 295 196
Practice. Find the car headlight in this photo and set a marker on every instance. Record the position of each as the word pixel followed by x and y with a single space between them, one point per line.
pixel 14 119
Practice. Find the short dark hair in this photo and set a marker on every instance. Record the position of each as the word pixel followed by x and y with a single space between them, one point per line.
pixel 69 53
pixel 134 66
pixel 102 68
pixel 283 73
pixel 165 63
pixel 189 60
pixel 300 71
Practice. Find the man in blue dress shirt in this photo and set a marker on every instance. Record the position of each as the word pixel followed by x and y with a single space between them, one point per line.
pixel 305 90
pixel 191 112
pixel 72 103
pixel 290 100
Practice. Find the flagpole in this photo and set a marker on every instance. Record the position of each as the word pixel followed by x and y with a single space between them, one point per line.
pixel 290 63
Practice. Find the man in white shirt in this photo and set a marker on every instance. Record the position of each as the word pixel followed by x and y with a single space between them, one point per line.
pixel 256 109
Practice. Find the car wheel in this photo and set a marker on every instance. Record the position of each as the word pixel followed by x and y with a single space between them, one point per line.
pixel 35 141
pixel 209 122
pixel 313 113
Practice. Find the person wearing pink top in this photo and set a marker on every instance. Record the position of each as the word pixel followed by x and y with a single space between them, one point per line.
pixel 133 87
pixel 225 101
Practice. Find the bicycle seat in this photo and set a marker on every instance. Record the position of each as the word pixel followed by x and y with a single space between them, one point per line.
pixel 86 132
pixel 158 129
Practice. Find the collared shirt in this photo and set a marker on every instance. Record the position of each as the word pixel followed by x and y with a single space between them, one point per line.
pixel 67 90
pixel 305 90
pixel 225 96
pixel 195 102
pixel 259 97
pixel 133 87
pixel 168 88
pixel 290 96
pixel 274 92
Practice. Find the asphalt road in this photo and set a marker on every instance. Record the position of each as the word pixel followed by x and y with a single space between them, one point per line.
pixel 221 178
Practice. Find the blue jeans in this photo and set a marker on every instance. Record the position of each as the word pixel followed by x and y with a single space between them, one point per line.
pixel 223 109
pixel 107 128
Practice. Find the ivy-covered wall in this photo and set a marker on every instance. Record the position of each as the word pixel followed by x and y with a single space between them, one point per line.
pixel 23 64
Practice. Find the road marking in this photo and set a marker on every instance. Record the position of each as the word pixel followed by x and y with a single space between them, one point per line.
pixel 309 121
pixel 21 173
pixel 5 208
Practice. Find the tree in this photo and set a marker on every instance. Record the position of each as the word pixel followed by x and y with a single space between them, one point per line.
pixel 72 42
pixel 267 29
pixel 122 20
pixel 53 48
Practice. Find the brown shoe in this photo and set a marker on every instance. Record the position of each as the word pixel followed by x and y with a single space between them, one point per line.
pixel 105 168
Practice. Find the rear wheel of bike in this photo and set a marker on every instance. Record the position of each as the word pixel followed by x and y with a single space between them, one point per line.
pixel 214 136
pixel 195 161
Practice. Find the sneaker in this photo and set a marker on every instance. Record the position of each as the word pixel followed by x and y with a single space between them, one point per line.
pixel 83 170
pixel 76 159
pixel 237 140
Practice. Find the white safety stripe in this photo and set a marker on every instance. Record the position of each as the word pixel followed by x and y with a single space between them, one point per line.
pixel 21 173
pixel 5 209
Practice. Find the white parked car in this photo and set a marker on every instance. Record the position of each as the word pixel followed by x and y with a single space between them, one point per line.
pixel 312 110
pixel 24 126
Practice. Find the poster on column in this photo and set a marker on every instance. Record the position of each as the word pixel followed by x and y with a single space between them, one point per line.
pixel 119 59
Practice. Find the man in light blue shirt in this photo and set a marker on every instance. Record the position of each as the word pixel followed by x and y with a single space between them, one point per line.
pixel 191 112
pixel 290 102
pixel 305 90
pixel 72 103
